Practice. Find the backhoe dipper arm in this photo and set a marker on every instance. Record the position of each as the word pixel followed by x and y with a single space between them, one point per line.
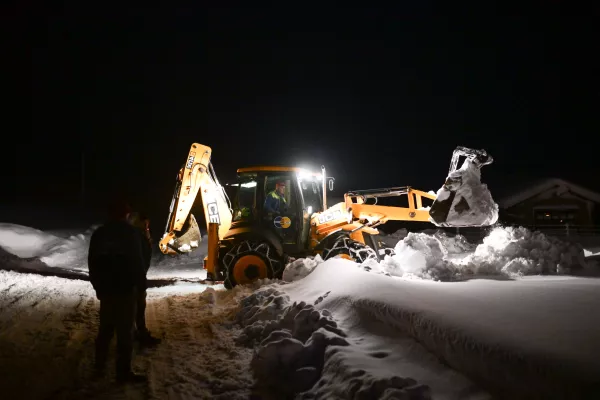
pixel 196 176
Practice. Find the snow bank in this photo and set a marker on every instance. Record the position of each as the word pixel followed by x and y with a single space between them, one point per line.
pixel 71 252
pixel 25 242
pixel 506 251
pixel 301 267
pixel 518 251
pixel 535 337
pixel 297 352
pixel 473 204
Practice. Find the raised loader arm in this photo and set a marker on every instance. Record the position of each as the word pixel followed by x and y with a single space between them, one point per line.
pixel 462 201
pixel 196 176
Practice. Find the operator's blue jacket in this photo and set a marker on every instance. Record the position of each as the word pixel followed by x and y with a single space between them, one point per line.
pixel 275 203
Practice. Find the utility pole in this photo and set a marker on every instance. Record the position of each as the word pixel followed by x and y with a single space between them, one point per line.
pixel 82 176
pixel 82 173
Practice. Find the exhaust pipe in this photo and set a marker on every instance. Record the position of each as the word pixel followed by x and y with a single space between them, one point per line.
pixel 324 184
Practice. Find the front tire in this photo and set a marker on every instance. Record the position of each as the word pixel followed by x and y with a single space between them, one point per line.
pixel 350 249
pixel 249 261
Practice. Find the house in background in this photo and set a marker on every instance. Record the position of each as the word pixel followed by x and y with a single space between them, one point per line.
pixel 551 202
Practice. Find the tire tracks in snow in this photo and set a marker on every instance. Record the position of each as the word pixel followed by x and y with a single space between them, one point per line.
pixel 198 357
pixel 33 335
pixel 49 325
pixel 505 372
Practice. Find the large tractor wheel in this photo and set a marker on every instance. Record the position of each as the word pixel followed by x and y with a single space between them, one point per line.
pixel 350 249
pixel 249 261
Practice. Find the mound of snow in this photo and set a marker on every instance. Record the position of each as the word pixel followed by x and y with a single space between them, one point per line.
pixel 506 251
pixel 25 242
pixel 473 204
pixel 296 347
pixel 519 251
pixel 419 255
pixel 301 267
pixel 456 244
pixel 71 252
pixel 528 338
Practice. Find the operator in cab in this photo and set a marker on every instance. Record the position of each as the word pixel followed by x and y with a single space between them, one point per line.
pixel 275 203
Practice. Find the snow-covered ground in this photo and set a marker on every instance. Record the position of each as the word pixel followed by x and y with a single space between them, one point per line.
pixel 535 337
pixel 47 331
pixel 441 319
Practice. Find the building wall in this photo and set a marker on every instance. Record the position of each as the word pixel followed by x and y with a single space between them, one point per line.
pixel 574 210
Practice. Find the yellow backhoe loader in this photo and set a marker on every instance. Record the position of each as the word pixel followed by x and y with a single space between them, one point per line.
pixel 247 241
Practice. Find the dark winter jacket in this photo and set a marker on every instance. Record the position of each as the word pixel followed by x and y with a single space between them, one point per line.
pixel 146 249
pixel 116 260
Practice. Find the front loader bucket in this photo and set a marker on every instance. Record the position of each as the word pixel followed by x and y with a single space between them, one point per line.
pixel 189 239
pixel 463 200
pixel 438 213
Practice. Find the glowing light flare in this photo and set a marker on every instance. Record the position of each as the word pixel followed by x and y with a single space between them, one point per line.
pixel 305 174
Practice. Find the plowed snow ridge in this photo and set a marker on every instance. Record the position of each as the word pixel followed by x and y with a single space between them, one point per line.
pixel 495 332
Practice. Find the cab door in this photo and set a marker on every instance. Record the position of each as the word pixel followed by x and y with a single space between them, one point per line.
pixel 288 222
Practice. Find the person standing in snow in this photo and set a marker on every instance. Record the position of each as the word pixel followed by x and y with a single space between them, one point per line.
pixel 142 223
pixel 117 272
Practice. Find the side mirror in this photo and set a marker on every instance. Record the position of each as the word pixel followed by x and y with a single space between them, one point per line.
pixel 330 181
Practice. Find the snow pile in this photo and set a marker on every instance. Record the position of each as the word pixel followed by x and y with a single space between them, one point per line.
pixel 528 338
pixel 54 251
pixel 71 252
pixel 519 251
pixel 473 204
pixel 25 242
pixel 390 240
pixel 506 251
pixel 301 267
pixel 420 255
pixel 296 347
pixel 454 245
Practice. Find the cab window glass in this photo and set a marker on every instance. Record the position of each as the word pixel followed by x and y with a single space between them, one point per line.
pixel 244 204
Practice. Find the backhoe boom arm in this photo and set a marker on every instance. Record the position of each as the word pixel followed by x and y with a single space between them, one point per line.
pixel 196 176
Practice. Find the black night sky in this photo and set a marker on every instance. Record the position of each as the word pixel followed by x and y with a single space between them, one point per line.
pixel 381 96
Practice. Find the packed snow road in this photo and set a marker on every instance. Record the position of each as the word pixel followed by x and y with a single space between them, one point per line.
pixel 47 331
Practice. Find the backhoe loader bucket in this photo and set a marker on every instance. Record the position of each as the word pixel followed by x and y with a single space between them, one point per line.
pixel 189 239
pixel 463 200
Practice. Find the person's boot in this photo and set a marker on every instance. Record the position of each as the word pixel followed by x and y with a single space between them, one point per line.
pixel 147 340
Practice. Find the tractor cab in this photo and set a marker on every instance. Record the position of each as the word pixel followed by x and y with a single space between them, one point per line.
pixel 279 201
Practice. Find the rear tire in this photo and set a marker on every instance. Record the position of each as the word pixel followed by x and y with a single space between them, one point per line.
pixel 249 261
pixel 350 249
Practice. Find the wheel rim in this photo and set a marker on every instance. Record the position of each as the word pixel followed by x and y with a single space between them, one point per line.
pixel 249 268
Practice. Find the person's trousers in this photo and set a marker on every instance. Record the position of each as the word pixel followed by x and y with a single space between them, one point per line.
pixel 117 314
pixel 140 318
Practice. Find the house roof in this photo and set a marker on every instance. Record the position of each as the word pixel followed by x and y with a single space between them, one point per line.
pixel 544 186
